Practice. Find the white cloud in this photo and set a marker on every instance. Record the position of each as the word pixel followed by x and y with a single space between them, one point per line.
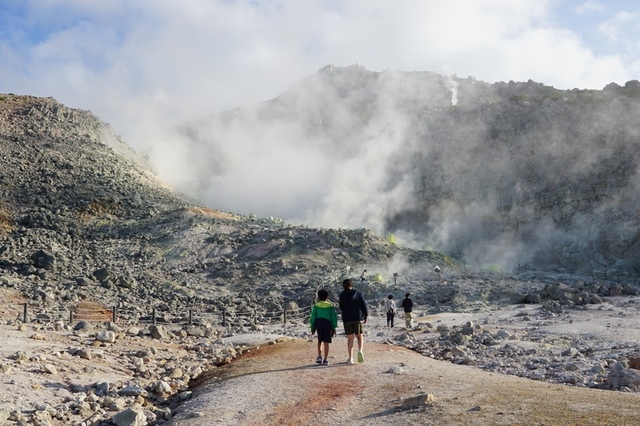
pixel 589 7
pixel 180 60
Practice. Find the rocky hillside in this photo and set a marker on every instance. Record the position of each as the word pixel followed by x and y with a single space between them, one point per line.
pixel 84 223
pixel 509 176
pixel 81 216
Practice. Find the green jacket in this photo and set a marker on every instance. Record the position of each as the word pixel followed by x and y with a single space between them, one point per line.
pixel 326 311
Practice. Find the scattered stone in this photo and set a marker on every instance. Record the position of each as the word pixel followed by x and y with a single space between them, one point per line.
pixel 83 326
pixel 106 336
pixel 50 369
pixel 21 357
pixel 157 332
pixel 84 353
pixel 133 391
pixel 418 400
pixel 133 416
pixel 163 388
pixel 396 370
pixel 5 368
pixel 621 376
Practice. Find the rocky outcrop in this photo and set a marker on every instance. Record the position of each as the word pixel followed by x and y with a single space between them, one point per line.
pixel 80 219
pixel 517 175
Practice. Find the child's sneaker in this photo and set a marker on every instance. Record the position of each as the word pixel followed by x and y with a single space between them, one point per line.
pixel 360 357
pixel 325 362
pixel 319 360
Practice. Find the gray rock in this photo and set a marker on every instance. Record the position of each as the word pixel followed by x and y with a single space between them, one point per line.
pixel 133 416
pixel 134 331
pixel 157 332
pixel 621 376
pixel 163 388
pixel 5 368
pixel 532 298
pixel 84 281
pixel 101 389
pixel 418 400
pixel 133 391
pixel 102 274
pixel 570 352
pixel 84 353
pixel 502 335
pixel 43 260
pixel 106 336
pixel 83 326
pixel 50 369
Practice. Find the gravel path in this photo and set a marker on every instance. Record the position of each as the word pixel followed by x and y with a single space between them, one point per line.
pixel 277 385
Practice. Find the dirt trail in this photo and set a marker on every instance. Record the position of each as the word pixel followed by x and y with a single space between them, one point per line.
pixel 278 384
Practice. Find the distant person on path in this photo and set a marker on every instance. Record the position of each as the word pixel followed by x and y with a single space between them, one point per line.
pixel 363 276
pixel 407 305
pixel 325 321
pixel 390 309
pixel 354 314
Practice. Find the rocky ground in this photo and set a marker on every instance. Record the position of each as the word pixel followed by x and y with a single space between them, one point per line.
pixel 106 373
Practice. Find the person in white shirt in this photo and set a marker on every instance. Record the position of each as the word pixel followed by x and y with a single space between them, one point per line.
pixel 390 309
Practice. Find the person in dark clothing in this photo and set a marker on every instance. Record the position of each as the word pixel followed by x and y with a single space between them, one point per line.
pixel 407 305
pixel 354 314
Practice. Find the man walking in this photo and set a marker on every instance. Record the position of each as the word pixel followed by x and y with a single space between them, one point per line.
pixel 354 314
pixel 407 305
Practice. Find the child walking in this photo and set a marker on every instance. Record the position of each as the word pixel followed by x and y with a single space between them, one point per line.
pixel 323 320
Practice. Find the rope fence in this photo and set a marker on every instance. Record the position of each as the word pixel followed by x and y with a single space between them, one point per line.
pixel 35 311
pixel 91 311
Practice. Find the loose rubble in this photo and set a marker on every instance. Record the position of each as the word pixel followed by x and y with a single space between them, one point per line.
pixel 150 370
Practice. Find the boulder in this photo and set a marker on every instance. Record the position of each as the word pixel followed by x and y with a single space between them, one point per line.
pixel 106 336
pixel 133 416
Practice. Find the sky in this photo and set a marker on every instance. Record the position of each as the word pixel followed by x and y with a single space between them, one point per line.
pixel 139 63
pixel 147 66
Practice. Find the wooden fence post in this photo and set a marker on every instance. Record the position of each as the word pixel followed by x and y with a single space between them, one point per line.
pixel 224 317
pixel 70 316
pixel 24 314
pixel 114 314
pixel 285 317
pixel 190 317
pixel 153 316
